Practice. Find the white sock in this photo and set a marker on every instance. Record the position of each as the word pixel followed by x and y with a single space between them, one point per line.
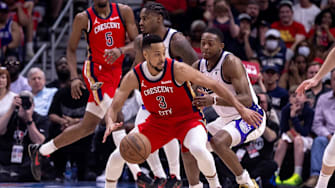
pixel 244 178
pixel 277 172
pixel 323 181
pixel 29 47
pixel 172 154
pixel 110 184
pixel 214 181
pixel 156 165
pixel 48 148
pixel 118 135
pixel 199 185
pixel 298 170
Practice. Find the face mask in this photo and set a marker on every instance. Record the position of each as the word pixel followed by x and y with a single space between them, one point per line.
pixel 304 50
pixel 271 44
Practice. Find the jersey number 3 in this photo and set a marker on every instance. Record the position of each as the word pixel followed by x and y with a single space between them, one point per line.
pixel 109 39
pixel 162 103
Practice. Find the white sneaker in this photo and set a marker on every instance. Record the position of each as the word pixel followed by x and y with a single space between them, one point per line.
pixel 102 177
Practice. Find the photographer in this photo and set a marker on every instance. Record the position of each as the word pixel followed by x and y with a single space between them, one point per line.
pixel 19 127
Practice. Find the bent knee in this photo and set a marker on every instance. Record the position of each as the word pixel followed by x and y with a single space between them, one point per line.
pixel 221 139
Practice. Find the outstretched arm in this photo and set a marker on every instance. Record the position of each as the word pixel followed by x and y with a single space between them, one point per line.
pixel 180 47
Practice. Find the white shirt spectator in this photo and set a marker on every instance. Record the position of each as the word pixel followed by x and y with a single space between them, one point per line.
pixel 6 102
pixel 43 99
pixel 20 84
pixel 305 16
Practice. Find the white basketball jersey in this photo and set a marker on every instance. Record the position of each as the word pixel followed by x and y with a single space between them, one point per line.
pixel 167 40
pixel 216 74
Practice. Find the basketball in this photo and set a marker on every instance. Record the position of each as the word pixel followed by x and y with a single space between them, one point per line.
pixel 135 148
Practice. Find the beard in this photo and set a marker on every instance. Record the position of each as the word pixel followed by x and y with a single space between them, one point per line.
pixel 102 5
pixel 63 75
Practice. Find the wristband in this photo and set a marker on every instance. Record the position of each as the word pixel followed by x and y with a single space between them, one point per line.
pixel 28 123
pixel 73 79
pixel 214 99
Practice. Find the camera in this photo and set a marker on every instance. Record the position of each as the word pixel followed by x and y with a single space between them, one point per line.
pixel 26 103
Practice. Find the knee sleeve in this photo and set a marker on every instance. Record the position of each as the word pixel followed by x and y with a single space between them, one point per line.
pixel 156 165
pixel 117 136
pixel 114 166
pixel 329 155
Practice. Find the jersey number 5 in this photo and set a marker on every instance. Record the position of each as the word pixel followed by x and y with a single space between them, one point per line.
pixel 109 39
pixel 162 104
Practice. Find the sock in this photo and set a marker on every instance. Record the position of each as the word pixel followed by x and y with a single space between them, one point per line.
pixel 244 178
pixel 323 181
pixel 109 184
pixel 118 135
pixel 213 181
pixel 298 170
pixel 277 172
pixel 156 165
pixel 29 47
pixel 199 185
pixel 48 148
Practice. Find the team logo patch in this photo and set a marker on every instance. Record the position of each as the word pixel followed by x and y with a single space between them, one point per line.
pixel 245 127
pixel 96 85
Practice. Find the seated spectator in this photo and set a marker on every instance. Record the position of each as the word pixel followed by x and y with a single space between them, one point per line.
pixel 322 35
pixel 65 112
pixel 314 93
pixel 42 95
pixel 279 96
pixel 263 27
pixel 268 10
pixel 6 96
pixel 306 49
pixel 258 154
pixel 305 12
pixel 274 51
pixel 18 129
pixel 295 124
pixel 295 74
pixel 208 15
pixel 253 10
pixel 18 82
pixel 63 74
pixel 197 28
pixel 10 36
pixel 292 32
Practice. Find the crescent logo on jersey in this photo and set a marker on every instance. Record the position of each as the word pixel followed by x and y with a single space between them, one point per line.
pixel 108 25
pixel 96 85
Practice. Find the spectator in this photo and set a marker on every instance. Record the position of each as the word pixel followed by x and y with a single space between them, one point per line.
pixel 10 36
pixel 323 127
pixel 65 112
pixel 258 154
pixel 314 93
pixel 279 96
pixel 296 72
pixel 263 27
pixel 18 82
pixel 224 20
pixel 6 96
pixel 322 35
pixel 268 10
pixel 295 124
pixel 291 32
pixel 42 95
pixel 209 11
pixel 253 11
pixel 306 49
pixel 18 128
pixel 197 28
pixel 274 51
pixel 63 74
pixel 243 46
pixel 305 13
pixel 177 10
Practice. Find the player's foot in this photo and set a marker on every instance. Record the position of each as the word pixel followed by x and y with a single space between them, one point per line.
pixel 278 181
pixel 173 182
pixel 255 185
pixel 143 181
pixel 159 182
pixel 294 180
pixel 35 161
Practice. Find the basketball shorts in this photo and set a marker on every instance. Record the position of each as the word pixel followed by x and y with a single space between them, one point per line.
pixel 160 132
pixel 240 131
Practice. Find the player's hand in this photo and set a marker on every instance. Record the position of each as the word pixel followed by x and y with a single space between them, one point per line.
pixel 252 117
pixel 76 86
pixel 112 54
pixel 110 127
pixel 203 100
pixel 305 85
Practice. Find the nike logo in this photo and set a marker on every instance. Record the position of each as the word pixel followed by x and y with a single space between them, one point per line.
pixel 114 18
pixel 166 82
pixel 37 162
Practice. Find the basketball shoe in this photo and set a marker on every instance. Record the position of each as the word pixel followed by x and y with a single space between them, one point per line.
pixel 35 161
pixel 173 182
pixel 159 182
pixel 143 181
pixel 247 186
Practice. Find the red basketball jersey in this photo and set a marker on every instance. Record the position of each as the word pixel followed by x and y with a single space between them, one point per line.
pixel 164 98
pixel 105 33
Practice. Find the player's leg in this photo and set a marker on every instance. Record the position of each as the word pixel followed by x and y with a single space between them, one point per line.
pixel 191 170
pixel 195 140
pixel 328 165
pixel 172 152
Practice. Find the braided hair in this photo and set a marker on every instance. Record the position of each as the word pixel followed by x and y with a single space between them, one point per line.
pixel 157 8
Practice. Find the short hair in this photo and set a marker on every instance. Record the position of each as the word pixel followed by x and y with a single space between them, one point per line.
pixel 150 39
pixel 33 71
pixel 216 32
pixel 313 64
pixel 4 71
pixel 157 8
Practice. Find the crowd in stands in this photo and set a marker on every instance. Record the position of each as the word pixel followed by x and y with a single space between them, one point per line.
pixel 281 43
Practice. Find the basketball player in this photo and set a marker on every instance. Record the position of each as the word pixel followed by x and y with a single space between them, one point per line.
pixel 228 130
pixel 167 95
pixel 105 25
pixel 328 161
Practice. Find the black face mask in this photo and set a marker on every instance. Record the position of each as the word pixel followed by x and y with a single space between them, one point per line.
pixel 63 75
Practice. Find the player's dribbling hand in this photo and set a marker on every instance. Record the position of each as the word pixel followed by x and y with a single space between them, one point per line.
pixel 203 100
pixel 251 117
pixel 112 54
pixel 76 86
pixel 305 85
pixel 110 128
